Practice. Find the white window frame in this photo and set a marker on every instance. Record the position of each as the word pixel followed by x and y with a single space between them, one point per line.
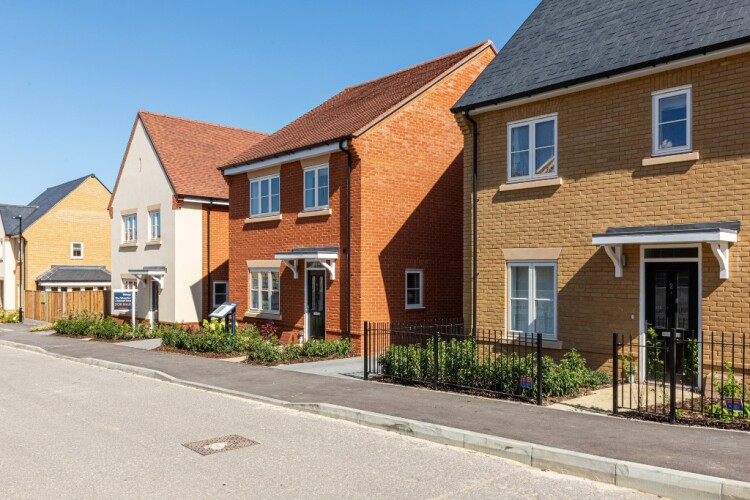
pixel 152 236
pixel 72 250
pixel 213 292
pixel 532 265
pixel 269 278
pixel 420 272
pixel 655 98
pixel 259 180
pixel 531 123
pixel 125 228
pixel 129 284
pixel 317 205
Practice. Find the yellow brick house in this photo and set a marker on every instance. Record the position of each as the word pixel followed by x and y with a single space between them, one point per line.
pixel 607 175
pixel 65 241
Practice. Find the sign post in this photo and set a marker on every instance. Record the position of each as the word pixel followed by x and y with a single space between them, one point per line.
pixel 227 311
pixel 124 300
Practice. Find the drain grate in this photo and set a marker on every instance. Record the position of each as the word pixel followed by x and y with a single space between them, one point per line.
pixel 219 444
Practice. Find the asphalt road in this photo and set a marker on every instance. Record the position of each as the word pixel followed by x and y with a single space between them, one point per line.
pixel 69 430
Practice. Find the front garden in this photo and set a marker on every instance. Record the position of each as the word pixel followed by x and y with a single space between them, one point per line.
pixel 464 365
pixel 8 316
pixel 85 324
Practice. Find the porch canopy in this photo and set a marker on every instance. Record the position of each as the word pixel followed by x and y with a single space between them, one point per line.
pixel 717 234
pixel 156 273
pixel 326 256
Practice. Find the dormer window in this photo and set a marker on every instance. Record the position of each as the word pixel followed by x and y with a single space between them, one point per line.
pixel 672 110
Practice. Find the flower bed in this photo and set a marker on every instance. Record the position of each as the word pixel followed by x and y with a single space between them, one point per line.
pixel 8 316
pixel 94 325
pixel 269 351
pixel 210 338
pixel 461 366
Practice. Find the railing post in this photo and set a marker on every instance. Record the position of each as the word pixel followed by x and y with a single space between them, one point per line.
pixel 367 354
pixel 539 377
pixel 615 373
pixel 673 376
pixel 435 339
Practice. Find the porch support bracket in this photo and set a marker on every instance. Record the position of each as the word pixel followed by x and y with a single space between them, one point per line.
pixel 330 265
pixel 160 280
pixel 293 265
pixel 614 252
pixel 721 252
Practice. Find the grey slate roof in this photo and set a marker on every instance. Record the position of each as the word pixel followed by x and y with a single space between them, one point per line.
pixel 7 212
pixel 75 274
pixel 693 227
pixel 38 207
pixel 564 42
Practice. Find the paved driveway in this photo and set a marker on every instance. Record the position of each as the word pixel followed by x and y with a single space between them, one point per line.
pixel 71 430
pixel 341 368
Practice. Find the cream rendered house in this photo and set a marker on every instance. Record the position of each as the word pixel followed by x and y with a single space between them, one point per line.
pixel 169 212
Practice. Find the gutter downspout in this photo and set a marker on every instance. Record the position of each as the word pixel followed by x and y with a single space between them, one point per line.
pixel 348 239
pixel 208 256
pixel 475 182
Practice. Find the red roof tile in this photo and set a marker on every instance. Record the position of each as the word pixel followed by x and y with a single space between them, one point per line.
pixel 351 110
pixel 191 151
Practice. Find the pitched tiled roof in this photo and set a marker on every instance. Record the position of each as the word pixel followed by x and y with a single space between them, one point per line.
pixel 38 206
pixel 75 274
pixel 570 41
pixel 353 108
pixel 190 151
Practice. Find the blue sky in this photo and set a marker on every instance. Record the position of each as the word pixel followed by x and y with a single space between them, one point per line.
pixel 74 73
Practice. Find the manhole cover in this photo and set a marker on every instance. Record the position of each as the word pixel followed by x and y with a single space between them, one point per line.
pixel 219 444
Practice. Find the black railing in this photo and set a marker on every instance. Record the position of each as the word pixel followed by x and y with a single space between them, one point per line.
pixel 449 354
pixel 679 377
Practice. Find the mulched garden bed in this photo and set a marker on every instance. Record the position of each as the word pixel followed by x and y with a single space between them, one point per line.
pixel 298 360
pixel 215 355
pixel 95 339
pixel 692 420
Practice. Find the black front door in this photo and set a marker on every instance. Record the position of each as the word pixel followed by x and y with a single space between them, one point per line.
pixel 316 304
pixel 154 302
pixel 671 302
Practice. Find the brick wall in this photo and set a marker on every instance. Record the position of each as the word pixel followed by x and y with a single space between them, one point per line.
pixel 603 135
pixel 219 265
pixel 80 216
pixel 412 217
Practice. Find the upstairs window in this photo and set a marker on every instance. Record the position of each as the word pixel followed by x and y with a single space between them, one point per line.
pixel 316 187
pixel 532 149
pixel 154 225
pixel 672 110
pixel 130 228
pixel 76 250
pixel 264 196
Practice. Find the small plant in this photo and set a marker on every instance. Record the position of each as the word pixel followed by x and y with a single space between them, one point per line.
pixel 213 325
pixel 728 388
pixel 268 330
pixel 654 348
pixel 628 366
pixel 9 316
pixel 43 328
pixel 691 362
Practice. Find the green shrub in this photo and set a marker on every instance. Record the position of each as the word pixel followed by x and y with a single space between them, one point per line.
pixel 460 364
pixel 8 316
pixel 324 348
pixel 206 341
pixel 88 324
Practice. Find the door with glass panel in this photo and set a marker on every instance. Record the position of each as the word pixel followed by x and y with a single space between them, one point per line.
pixel 316 303
pixel 532 300
pixel 671 302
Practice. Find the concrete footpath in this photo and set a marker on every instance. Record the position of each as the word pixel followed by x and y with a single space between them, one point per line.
pixel 613 447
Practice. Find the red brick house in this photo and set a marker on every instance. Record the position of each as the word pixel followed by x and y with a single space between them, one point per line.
pixel 353 211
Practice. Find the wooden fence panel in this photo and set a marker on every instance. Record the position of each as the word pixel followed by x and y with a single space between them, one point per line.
pixel 51 306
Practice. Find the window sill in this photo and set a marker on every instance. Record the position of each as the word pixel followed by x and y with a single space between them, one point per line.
pixel 673 158
pixel 153 243
pixel 415 308
pixel 316 213
pixel 263 315
pixel 514 186
pixel 129 245
pixel 265 218
pixel 546 343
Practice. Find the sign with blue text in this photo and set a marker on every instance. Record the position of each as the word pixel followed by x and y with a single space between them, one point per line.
pixel 734 404
pixel 527 383
pixel 123 300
